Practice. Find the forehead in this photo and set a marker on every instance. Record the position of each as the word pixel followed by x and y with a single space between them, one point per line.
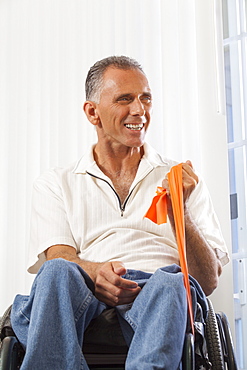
pixel 124 81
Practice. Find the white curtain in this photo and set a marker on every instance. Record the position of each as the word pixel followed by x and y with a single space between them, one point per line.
pixel 46 49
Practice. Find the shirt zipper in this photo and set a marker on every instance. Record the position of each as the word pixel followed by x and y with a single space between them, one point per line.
pixel 121 206
pixel 100 178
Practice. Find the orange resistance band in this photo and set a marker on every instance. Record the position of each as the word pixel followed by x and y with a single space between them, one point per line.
pixel 158 214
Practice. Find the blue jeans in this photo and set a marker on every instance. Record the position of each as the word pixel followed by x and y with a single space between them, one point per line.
pixel 50 323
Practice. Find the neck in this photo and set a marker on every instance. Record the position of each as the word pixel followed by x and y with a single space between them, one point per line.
pixel 113 160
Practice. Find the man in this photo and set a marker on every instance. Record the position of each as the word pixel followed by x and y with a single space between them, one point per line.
pixel 88 228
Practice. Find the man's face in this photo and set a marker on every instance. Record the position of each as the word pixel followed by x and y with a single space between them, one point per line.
pixel 124 107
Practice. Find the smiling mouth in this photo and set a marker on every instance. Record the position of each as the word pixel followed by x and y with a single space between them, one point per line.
pixel 135 127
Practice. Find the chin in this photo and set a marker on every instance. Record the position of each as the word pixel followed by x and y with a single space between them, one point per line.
pixel 136 143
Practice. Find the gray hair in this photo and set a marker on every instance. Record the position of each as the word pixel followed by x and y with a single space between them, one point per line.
pixel 94 80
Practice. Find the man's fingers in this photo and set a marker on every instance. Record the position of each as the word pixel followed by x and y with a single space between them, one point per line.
pixel 189 163
pixel 111 288
pixel 119 268
pixel 114 296
pixel 189 171
pixel 112 272
pixel 113 300
pixel 189 179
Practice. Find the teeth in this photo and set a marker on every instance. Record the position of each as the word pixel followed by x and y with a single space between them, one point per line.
pixel 134 127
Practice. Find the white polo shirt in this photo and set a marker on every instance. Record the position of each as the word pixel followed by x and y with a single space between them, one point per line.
pixel 78 206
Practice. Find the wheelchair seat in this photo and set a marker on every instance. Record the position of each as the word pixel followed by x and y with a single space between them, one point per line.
pixel 104 343
pixel 104 346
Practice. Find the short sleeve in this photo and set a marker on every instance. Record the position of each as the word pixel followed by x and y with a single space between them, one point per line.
pixel 49 224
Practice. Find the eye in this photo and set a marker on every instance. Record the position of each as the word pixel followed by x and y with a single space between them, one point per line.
pixel 124 99
pixel 146 98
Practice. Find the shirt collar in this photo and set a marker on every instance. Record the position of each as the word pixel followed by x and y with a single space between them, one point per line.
pixel 88 164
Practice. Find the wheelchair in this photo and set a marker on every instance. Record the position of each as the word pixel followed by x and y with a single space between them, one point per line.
pixel 105 348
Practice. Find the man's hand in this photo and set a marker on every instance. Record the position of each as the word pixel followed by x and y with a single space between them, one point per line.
pixel 111 288
pixel 189 179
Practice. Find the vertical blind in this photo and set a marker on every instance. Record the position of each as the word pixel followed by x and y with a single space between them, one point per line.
pixel 46 49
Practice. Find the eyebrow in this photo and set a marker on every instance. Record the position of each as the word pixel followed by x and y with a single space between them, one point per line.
pixel 124 96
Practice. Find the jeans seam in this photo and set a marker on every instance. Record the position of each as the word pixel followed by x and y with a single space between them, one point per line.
pixel 130 321
pixel 83 307
pixel 21 311
pixel 83 363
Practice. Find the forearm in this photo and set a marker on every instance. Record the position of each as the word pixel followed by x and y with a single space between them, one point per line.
pixel 69 254
pixel 110 287
pixel 203 263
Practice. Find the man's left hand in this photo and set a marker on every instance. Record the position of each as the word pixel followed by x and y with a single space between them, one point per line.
pixel 189 180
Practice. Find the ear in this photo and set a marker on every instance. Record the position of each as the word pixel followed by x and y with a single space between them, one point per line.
pixel 90 110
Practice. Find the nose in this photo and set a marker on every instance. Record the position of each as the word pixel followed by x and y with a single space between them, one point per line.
pixel 137 108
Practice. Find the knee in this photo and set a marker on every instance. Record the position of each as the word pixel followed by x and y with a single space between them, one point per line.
pixel 57 269
pixel 56 265
pixel 60 272
pixel 174 279
pixel 168 287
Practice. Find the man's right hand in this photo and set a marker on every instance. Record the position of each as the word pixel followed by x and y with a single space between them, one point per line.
pixel 111 288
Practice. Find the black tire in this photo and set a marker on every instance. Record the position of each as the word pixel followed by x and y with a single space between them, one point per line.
pixel 188 353
pixel 9 354
pixel 213 340
pixel 226 340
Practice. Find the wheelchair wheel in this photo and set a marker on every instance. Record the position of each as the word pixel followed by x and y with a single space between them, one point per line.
pixel 10 353
pixel 226 340
pixel 213 340
pixel 188 361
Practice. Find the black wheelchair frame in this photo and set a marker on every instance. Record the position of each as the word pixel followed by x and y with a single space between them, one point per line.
pixel 211 348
